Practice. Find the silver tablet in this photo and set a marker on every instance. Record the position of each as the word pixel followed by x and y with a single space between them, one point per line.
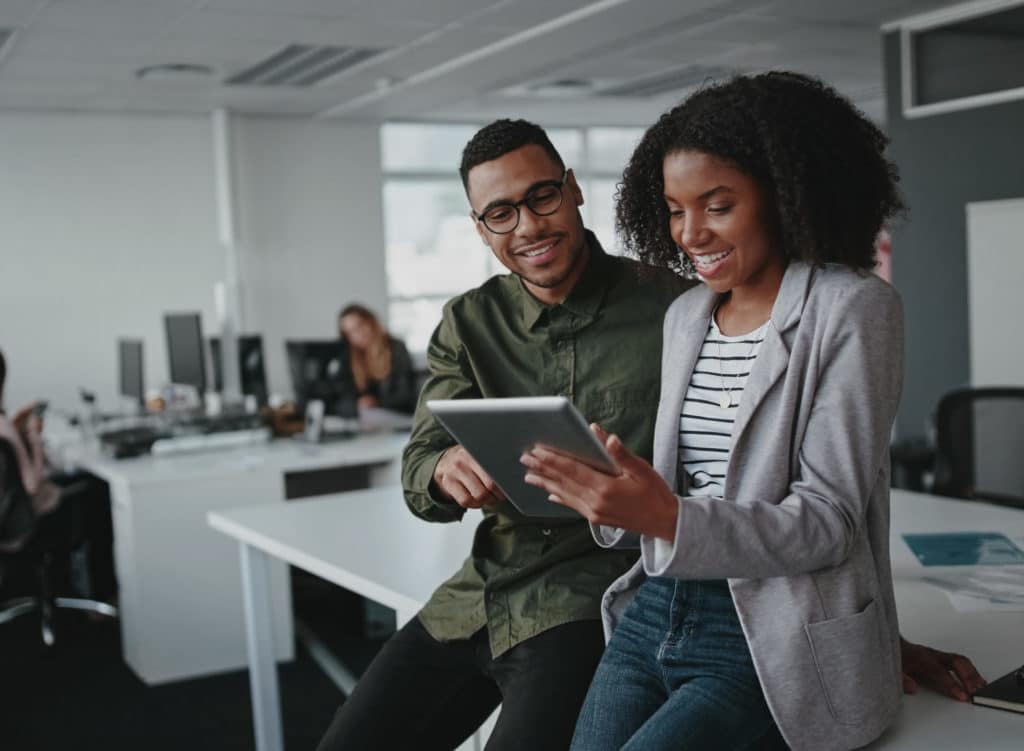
pixel 496 432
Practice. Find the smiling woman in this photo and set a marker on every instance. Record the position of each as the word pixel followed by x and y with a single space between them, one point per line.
pixel 761 611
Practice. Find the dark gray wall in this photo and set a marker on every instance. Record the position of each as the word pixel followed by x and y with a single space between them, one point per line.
pixel 946 161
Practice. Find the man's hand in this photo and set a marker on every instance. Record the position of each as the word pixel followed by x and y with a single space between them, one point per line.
pixel 458 477
pixel 950 674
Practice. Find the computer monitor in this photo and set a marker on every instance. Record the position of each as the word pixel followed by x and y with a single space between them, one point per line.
pixel 129 362
pixel 320 370
pixel 251 371
pixel 185 349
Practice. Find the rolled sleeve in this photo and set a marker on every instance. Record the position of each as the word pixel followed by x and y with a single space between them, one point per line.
pixel 450 378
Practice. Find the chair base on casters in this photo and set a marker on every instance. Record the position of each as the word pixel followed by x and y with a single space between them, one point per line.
pixel 25 605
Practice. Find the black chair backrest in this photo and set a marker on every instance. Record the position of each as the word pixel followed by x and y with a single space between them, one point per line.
pixel 980 444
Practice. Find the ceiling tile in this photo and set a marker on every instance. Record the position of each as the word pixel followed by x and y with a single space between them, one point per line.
pixel 440 48
pixel 19 12
pixel 108 18
pixel 521 14
pixel 287 28
pixel 871 13
pixel 66 70
pixel 437 12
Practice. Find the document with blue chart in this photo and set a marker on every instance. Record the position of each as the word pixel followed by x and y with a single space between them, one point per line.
pixel 964 549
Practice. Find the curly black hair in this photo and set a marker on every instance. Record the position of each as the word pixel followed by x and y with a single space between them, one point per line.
pixel 501 137
pixel 819 160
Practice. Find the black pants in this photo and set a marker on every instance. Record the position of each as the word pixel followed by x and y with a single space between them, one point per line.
pixel 423 694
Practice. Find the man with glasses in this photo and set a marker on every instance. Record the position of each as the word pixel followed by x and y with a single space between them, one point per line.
pixel 519 623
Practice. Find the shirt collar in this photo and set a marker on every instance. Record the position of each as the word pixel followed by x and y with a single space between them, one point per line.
pixel 585 298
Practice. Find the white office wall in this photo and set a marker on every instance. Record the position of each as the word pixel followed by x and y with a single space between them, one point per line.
pixel 110 221
pixel 107 222
pixel 310 228
pixel 995 307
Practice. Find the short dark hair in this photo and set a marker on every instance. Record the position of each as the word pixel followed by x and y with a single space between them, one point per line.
pixel 501 137
pixel 820 162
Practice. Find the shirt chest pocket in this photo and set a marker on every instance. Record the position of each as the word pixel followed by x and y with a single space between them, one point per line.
pixel 620 402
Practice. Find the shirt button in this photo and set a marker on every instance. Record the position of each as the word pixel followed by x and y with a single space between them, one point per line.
pixel 546 532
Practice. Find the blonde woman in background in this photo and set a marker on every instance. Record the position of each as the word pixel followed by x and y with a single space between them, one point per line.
pixel 380 363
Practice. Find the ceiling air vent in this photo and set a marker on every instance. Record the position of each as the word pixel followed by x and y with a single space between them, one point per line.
pixel 670 80
pixel 302 65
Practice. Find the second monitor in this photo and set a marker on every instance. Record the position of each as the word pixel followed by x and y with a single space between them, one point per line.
pixel 320 370
pixel 130 367
pixel 251 370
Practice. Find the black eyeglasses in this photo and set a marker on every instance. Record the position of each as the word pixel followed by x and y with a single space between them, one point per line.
pixel 543 199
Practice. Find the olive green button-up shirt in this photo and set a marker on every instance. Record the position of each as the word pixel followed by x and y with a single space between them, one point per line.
pixel 601 348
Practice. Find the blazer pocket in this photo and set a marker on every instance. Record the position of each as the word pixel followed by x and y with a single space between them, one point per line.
pixel 854 667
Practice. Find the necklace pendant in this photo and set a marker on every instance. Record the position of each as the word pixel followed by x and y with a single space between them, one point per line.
pixel 725 401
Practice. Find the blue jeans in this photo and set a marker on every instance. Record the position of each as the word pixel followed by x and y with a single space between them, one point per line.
pixel 677 674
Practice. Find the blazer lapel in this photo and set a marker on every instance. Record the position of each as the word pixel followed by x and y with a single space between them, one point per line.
pixel 682 347
pixel 773 357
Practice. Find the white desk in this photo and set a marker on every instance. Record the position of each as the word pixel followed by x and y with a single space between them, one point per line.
pixel 366 541
pixel 994 640
pixel 180 605
pixel 370 543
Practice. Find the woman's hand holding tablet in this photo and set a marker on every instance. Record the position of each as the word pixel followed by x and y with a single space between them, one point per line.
pixel 497 432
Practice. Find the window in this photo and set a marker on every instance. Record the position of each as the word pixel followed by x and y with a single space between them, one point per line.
pixel 432 249
pixel 962 57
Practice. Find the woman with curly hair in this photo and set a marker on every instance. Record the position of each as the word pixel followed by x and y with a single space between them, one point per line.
pixel 761 611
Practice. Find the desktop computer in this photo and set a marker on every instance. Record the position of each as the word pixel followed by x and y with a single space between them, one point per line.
pixel 320 371
pixel 185 349
pixel 252 372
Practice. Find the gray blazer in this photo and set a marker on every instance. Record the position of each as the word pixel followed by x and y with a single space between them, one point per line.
pixel 803 532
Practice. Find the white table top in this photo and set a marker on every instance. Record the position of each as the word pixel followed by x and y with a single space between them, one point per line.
pixel 993 640
pixel 366 541
pixel 284 455
pixel 369 542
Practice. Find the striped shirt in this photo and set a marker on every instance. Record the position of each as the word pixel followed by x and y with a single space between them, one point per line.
pixel 710 405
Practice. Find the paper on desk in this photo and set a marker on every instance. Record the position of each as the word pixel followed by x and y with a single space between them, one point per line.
pixel 983 589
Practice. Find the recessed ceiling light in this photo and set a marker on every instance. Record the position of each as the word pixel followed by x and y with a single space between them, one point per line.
pixel 174 72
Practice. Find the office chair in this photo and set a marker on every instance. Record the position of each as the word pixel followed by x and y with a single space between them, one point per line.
pixel 55 535
pixel 980 445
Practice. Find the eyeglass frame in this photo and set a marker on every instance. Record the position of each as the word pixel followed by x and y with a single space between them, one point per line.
pixel 560 184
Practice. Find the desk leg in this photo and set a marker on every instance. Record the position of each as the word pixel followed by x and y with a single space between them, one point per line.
pixel 259 634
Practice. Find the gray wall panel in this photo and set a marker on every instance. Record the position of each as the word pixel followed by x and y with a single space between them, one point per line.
pixel 945 162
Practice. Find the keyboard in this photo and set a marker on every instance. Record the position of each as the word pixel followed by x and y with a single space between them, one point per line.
pixel 216 424
pixel 197 442
pixel 173 434
pixel 126 442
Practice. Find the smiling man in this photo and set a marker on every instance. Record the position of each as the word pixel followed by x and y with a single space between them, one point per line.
pixel 519 624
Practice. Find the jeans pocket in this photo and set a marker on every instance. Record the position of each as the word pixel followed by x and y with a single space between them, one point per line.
pixel 854 666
